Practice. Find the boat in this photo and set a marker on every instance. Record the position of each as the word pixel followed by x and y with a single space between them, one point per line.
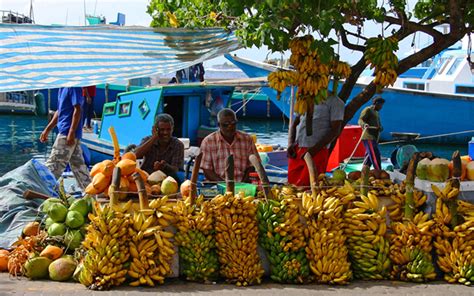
pixel 434 100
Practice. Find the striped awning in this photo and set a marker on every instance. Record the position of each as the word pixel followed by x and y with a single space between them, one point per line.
pixel 41 57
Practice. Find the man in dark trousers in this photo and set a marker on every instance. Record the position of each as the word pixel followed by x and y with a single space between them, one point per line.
pixel 369 120
pixel 67 146
pixel 88 93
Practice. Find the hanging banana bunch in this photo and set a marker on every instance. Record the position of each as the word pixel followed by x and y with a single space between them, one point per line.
pixel 454 230
pixel 397 195
pixel 236 238
pixel 282 236
pixel 411 240
pixel 366 238
pixel 195 239
pixel 150 246
pixel 379 54
pixel 326 250
pixel 106 243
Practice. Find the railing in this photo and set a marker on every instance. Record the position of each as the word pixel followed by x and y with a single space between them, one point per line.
pixel 12 17
pixel 18 97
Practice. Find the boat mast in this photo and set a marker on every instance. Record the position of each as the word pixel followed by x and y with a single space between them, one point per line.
pixel 32 14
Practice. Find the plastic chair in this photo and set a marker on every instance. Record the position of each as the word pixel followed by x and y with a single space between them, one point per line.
pixel 120 20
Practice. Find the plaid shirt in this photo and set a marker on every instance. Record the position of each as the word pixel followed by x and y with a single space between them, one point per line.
pixel 173 155
pixel 216 149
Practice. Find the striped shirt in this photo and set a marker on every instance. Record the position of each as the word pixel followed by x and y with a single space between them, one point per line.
pixel 216 149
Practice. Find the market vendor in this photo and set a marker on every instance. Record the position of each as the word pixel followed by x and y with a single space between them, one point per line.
pixel 161 151
pixel 369 120
pixel 227 140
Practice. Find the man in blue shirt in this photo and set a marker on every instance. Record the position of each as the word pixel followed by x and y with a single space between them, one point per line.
pixel 67 147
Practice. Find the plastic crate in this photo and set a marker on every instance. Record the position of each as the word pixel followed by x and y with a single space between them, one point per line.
pixel 247 188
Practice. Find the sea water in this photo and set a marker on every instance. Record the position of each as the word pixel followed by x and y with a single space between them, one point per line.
pixel 19 139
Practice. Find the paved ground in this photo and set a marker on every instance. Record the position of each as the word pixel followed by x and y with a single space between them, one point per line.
pixel 9 286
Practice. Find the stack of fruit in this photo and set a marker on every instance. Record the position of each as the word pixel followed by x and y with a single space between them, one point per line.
pixel 454 232
pixel 380 53
pixel 397 194
pixel 107 248
pixel 411 241
pixel 326 249
pixel 67 219
pixel 151 249
pixel 236 238
pixel 50 263
pixel 282 236
pixel 365 230
pixel 195 239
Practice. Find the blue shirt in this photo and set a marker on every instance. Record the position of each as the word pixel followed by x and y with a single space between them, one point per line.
pixel 68 97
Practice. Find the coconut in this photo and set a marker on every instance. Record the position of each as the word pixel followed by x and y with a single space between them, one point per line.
pixel 81 206
pixel 169 186
pixel 74 219
pixel 438 170
pixel 48 222
pixel 354 175
pixel 48 203
pixel 37 268
pixel 62 269
pixel 422 168
pixel 185 188
pixel 470 171
pixel 57 212
pixel 31 229
pixel 73 239
pixel 156 178
pixel 56 229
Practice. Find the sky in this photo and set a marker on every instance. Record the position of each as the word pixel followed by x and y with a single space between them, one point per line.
pixel 71 12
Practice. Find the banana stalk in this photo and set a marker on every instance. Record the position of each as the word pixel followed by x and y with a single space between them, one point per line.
pixel 409 187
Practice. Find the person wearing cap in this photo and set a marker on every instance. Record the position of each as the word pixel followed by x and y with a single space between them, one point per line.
pixel 369 120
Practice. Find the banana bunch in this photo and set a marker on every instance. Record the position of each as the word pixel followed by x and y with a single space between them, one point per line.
pixel 300 46
pixel 379 53
pixel 397 195
pixel 106 244
pixel 410 249
pixel 326 250
pixel 279 80
pixel 150 247
pixel 365 230
pixel 195 239
pixel 340 70
pixel 282 236
pixel 236 236
pixel 454 245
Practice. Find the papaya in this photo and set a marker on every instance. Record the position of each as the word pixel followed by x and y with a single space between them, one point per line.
pixel 126 166
pixel 52 252
pixel 4 260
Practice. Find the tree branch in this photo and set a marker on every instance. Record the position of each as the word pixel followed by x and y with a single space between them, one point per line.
pixel 412 26
pixel 349 45
pixel 454 16
pixel 348 85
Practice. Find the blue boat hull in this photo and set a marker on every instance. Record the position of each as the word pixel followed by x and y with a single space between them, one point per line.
pixel 405 111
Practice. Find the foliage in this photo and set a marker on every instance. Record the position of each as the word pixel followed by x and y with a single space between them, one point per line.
pixel 275 22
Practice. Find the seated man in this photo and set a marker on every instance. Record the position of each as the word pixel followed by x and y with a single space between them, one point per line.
pixel 161 151
pixel 217 146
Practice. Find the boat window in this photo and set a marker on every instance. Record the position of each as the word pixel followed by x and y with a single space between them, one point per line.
pixel 417 86
pixel 460 89
pixel 454 66
pixel 443 64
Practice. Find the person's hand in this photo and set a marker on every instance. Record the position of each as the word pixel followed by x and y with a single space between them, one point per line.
pixel 291 151
pixel 71 139
pixel 44 136
pixel 159 165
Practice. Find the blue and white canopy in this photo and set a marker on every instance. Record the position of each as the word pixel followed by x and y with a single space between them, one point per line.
pixel 41 57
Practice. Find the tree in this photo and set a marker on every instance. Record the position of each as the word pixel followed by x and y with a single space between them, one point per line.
pixel 275 23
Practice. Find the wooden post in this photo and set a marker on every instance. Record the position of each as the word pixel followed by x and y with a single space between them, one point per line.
pixel 194 177
pixel 142 195
pixel 229 175
pixel 409 187
pixel 455 183
pixel 365 180
pixel 312 173
pixel 262 175
pixel 114 187
pixel 292 108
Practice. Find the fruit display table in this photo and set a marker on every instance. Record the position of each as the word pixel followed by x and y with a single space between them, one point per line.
pixel 467 189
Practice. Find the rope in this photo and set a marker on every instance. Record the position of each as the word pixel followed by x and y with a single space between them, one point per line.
pixel 248 100
pixel 429 137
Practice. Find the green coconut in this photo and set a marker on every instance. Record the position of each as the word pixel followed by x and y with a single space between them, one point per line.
pixel 73 239
pixel 57 212
pixel 56 229
pixel 422 168
pixel 48 203
pixel 438 170
pixel 48 222
pixel 37 268
pixel 74 219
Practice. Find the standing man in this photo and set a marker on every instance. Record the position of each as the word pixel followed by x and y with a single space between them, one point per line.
pixel 369 120
pixel 161 151
pixel 327 123
pixel 88 93
pixel 67 146
pixel 217 146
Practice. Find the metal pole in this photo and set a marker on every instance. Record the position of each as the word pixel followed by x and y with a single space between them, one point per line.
pixel 106 90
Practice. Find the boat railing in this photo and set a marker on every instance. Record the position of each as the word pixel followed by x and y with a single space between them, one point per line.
pixel 20 97
pixel 12 17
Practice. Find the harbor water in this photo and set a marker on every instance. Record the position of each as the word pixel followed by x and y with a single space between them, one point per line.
pixel 19 139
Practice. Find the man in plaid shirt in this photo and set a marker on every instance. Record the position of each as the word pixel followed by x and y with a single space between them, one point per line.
pixel 217 146
pixel 161 151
